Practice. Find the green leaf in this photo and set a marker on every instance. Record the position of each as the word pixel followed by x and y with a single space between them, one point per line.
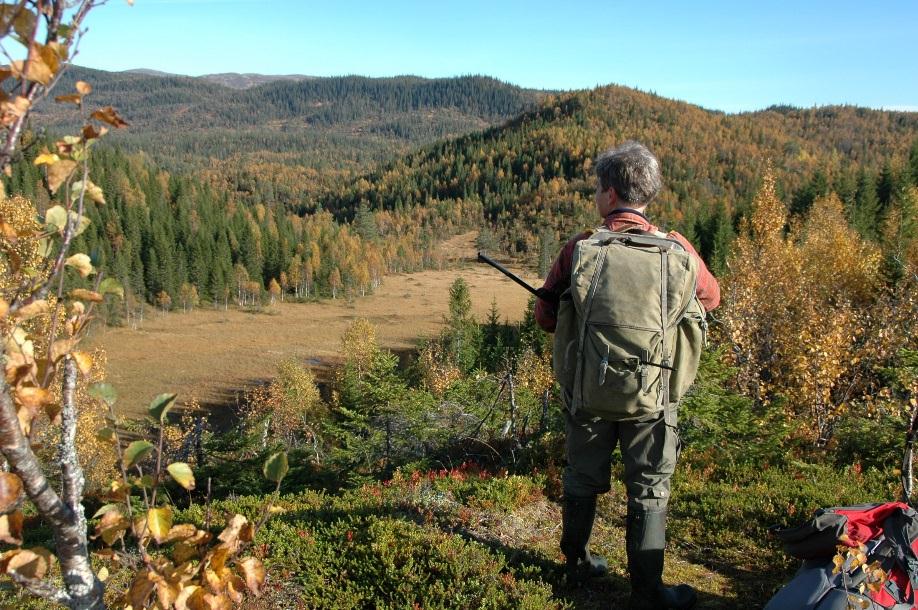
pixel 111 286
pixel 160 407
pixel 80 222
pixel 107 435
pixel 106 509
pixel 159 522
pixel 104 392
pixel 276 467
pixel 145 481
pixel 135 452
pixel 56 217
pixel 182 474
pixel 45 247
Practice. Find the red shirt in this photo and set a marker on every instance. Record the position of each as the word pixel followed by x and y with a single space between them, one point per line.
pixel 559 278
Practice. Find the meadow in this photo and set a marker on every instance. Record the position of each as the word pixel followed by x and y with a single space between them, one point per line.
pixel 211 355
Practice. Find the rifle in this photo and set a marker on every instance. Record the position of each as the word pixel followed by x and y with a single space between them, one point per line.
pixel 538 292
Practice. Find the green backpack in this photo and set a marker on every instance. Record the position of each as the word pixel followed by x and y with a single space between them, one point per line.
pixel 630 328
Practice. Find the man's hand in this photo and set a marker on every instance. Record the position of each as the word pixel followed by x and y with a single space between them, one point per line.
pixel 548 296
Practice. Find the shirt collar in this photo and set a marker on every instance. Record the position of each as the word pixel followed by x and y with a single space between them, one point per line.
pixel 617 211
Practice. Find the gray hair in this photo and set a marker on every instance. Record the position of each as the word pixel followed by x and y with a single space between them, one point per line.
pixel 631 170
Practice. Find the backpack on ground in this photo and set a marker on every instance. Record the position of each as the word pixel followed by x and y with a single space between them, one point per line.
pixel 889 535
pixel 630 329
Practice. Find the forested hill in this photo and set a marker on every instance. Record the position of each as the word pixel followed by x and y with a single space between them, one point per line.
pixel 534 179
pixel 315 122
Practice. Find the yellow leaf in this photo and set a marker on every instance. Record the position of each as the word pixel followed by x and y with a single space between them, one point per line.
pixel 109 115
pixel 61 348
pixel 140 590
pixel 191 598
pixel 159 522
pixel 31 563
pixel 71 98
pixel 46 159
pixel 50 56
pixel 86 295
pixel 81 263
pixel 182 531
pixel 231 535
pixel 11 528
pixel 59 173
pixel 92 191
pixel 111 527
pixel 83 88
pixel 34 69
pixel 182 474
pixel 83 362
pixel 103 574
pixel 33 309
pixel 254 573
pixel 17 107
pixel 10 491
pixel 32 398
pixel 216 602
pixel 4 307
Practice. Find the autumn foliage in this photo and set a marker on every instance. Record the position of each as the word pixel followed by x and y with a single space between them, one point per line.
pixel 808 312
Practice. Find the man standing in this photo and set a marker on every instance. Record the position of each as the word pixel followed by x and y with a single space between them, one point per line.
pixel 628 179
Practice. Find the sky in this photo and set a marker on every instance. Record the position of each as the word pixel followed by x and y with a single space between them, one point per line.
pixel 725 55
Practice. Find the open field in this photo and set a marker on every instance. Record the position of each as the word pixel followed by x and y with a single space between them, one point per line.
pixel 212 354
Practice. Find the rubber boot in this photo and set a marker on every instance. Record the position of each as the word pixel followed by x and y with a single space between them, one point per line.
pixel 645 540
pixel 577 516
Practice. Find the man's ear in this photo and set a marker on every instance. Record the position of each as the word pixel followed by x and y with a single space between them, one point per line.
pixel 613 198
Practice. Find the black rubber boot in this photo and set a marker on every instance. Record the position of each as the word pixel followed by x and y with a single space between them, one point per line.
pixel 576 526
pixel 645 540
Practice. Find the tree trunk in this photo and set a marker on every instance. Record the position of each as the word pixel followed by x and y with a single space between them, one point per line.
pixel 82 590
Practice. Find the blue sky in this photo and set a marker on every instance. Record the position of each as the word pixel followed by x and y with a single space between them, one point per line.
pixel 731 56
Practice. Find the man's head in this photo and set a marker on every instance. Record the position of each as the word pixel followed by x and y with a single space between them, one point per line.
pixel 627 176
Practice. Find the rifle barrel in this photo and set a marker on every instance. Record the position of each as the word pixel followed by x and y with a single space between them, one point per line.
pixel 485 259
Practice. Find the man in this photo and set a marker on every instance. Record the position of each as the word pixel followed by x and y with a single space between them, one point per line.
pixel 628 179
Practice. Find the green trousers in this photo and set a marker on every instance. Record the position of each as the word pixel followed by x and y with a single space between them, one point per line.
pixel 650 448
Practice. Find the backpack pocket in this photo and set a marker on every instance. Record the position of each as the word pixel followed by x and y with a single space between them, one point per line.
pixel 617 378
pixel 564 353
pixel 691 337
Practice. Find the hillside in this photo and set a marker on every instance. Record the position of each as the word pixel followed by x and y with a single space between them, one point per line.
pixel 533 176
pixel 333 123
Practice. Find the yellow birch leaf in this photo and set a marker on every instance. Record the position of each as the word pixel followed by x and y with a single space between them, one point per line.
pixel 59 173
pixel 254 573
pixel 83 88
pixel 103 574
pixel 183 475
pixel 83 362
pixel 61 348
pixel 46 159
pixel 31 563
pixel 109 115
pixel 81 263
pixel 4 307
pixel 159 522
pixel 11 528
pixel 70 98
pixel 86 295
pixel 10 491
pixel 33 309
pixel 32 398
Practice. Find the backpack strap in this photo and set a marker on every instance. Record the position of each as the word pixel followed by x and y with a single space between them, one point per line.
pixel 664 314
pixel 584 317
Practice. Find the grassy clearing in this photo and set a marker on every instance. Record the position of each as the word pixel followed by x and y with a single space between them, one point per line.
pixel 209 355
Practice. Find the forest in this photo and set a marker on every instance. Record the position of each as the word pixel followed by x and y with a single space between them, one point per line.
pixel 430 479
